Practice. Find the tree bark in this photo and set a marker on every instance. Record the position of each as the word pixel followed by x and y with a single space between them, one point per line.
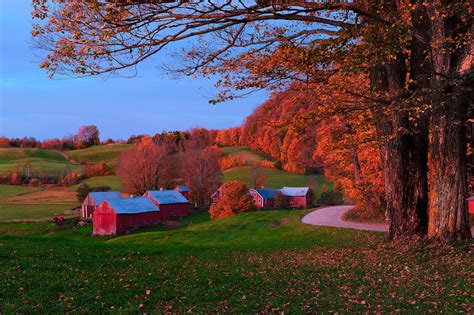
pixel 448 217
pixel 452 85
pixel 404 158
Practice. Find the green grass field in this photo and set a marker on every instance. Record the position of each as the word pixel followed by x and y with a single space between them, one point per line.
pixel 101 153
pixel 276 178
pixel 32 212
pixel 112 181
pixel 249 156
pixel 261 262
pixel 7 191
pixel 41 161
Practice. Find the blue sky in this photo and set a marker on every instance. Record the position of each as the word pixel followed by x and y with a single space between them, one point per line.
pixel 33 105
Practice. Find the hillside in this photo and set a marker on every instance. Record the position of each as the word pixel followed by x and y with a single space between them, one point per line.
pixel 41 161
pixel 249 156
pixel 101 153
pixel 259 262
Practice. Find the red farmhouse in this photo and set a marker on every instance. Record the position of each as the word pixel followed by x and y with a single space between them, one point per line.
pixel 297 196
pixel 184 190
pixel 470 205
pixel 172 204
pixel 115 216
pixel 264 198
pixel 94 199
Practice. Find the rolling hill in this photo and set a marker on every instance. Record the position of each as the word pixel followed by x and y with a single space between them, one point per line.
pixel 101 153
pixel 41 161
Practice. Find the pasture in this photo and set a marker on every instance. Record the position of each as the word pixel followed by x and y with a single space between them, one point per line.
pixel 100 153
pixel 256 262
pixel 42 162
pixel 112 181
pixel 276 178
pixel 250 157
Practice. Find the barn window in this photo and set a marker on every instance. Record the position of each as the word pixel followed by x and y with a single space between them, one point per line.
pixel 259 201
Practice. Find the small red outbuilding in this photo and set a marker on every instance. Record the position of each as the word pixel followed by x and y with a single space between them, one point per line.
pixel 298 197
pixel 470 205
pixel 172 203
pixel 115 216
pixel 184 190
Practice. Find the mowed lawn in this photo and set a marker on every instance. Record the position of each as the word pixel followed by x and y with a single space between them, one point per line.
pixel 32 212
pixel 100 153
pixel 262 262
pixel 276 178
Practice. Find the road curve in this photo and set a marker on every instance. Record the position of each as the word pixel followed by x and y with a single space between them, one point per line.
pixel 332 216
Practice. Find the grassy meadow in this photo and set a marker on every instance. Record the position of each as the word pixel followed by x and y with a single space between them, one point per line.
pixel 41 161
pixel 276 178
pixel 100 153
pixel 257 262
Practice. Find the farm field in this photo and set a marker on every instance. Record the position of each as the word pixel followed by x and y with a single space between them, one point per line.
pixel 32 212
pixel 249 156
pixel 112 181
pixel 41 161
pixel 276 178
pixel 100 153
pixel 256 262
pixel 11 191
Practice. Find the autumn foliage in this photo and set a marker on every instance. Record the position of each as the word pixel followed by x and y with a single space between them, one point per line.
pixel 234 198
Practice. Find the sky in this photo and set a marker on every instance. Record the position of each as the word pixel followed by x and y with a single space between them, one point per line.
pixel 31 104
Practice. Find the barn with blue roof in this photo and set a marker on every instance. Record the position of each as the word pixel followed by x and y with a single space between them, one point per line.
pixel 94 199
pixel 115 216
pixel 184 190
pixel 171 202
pixel 264 198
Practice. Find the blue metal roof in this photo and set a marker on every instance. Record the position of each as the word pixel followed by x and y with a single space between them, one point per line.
pixel 470 198
pixel 295 191
pixel 164 197
pixel 183 188
pixel 132 205
pixel 267 193
pixel 98 197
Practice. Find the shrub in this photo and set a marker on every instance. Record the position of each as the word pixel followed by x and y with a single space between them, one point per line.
pixel 281 201
pixel 331 198
pixel 229 162
pixel 234 198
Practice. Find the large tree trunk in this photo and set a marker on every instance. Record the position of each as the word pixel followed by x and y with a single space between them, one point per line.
pixel 404 157
pixel 448 218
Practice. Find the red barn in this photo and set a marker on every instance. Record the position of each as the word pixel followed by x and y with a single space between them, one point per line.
pixel 264 198
pixel 171 203
pixel 115 216
pixel 297 196
pixel 94 199
pixel 470 205
pixel 184 190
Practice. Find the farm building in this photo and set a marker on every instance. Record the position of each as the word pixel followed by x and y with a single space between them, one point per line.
pixel 184 190
pixel 470 205
pixel 297 196
pixel 94 199
pixel 171 202
pixel 264 198
pixel 115 216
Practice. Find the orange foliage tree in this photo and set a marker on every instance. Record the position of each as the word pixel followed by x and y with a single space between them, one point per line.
pixel 234 198
pixel 200 168
pixel 147 166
